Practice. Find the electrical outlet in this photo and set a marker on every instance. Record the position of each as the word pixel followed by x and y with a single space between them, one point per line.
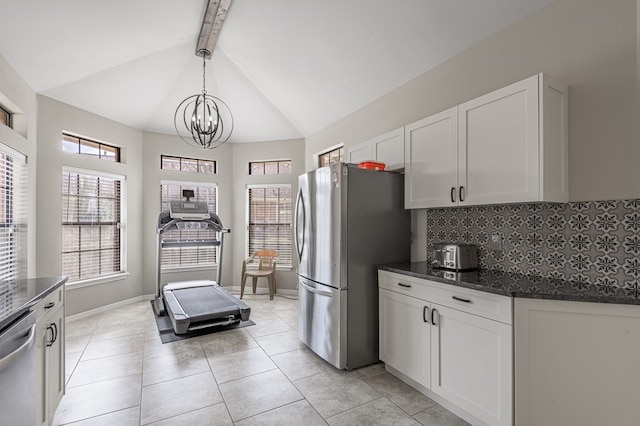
pixel 496 242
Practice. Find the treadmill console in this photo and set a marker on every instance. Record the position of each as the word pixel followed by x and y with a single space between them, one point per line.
pixel 189 210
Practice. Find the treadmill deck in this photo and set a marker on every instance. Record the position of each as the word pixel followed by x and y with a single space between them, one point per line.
pixel 203 305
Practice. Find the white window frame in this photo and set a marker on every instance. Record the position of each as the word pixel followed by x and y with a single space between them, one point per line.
pixel 200 266
pixel 14 258
pixel 246 221
pixel 115 276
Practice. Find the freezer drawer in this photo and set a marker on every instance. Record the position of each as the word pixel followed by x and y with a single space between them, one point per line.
pixel 322 324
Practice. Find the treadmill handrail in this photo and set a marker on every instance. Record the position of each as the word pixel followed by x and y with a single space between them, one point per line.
pixel 173 223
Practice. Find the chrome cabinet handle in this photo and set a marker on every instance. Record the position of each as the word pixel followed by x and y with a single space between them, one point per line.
pixel 460 299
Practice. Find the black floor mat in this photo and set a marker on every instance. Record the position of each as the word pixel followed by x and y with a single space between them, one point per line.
pixel 165 329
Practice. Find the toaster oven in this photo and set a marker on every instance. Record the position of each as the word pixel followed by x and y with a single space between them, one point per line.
pixel 454 256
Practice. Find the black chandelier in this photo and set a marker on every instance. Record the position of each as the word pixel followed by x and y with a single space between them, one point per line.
pixel 203 120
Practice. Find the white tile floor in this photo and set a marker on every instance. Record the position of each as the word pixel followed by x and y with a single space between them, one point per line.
pixel 119 373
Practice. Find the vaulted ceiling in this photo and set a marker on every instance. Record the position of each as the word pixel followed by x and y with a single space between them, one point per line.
pixel 286 68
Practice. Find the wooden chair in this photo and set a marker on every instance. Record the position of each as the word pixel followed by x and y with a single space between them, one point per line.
pixel 266 269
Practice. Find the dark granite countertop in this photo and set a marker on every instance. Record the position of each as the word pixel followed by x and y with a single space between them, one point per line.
pixel 518 285
pixel 17 296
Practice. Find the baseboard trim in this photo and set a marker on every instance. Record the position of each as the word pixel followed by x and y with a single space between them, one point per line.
pixel 233 289
pixel 259 290
pixel 101 309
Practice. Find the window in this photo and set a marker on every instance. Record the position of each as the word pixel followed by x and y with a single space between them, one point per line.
pixel 13 192
pixel 189 256
pixel 280 167
pixel 91 224
pixel 269 220
pixel 330 157
pixel 78 145
pixel 5 117
pixel 191 165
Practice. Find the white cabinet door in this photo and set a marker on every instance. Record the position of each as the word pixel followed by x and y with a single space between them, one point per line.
pixel 55 362
pixel 431 161
pixel 360 152
pixel 405 335
pixel 499 152
pixel 50 355
pixel 472 364
pixel 389 149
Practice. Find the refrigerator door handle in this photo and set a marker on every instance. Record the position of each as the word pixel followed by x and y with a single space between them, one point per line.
pixel 300 232
pixel 316 291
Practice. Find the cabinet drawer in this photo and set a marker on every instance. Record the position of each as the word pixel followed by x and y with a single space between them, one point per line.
pixel 488 305
pixel 50 303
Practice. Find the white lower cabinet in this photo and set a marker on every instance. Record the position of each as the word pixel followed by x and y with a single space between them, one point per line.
pixel 50 353
pixel 472 364
pixel 576 363
pixel 453 341
pixel 405 335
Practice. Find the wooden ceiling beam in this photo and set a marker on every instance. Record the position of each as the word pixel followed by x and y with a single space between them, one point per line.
pixel 211 26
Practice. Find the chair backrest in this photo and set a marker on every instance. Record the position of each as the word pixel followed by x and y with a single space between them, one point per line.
pixel 266 258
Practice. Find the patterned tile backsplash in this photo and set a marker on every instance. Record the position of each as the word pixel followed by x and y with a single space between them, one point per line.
pixel 591 242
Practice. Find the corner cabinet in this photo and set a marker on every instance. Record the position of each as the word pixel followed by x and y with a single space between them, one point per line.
pixel 454 343
pixel 387 149
pixel 50 354
pixel 576 363
pixel 504 147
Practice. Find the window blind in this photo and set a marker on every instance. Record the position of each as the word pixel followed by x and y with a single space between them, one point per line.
pixel 189 256
pixel 269 225
pixel 13 216
pixel 92 211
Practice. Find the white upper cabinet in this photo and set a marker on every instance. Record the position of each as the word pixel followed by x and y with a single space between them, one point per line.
pixel 509 146
pixel 431 161
pixel 387 149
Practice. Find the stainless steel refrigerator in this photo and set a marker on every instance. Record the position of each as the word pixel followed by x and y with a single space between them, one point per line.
pixel 347 221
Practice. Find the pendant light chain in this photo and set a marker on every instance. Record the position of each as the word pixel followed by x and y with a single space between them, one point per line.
pixel 204 71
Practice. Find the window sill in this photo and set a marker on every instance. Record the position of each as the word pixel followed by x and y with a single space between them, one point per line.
pixel 96 281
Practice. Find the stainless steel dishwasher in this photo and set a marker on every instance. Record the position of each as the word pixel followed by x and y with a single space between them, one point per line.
pixel 18 371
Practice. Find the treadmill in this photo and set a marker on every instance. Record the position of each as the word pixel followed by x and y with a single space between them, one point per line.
pixel 194 305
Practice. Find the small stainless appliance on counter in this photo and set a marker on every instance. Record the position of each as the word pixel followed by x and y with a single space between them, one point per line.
pixel 454 256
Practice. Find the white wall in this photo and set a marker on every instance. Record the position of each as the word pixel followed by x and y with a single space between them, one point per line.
pixel 19 98
pixel 261 151
pixel 590 45
pixel 53 118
